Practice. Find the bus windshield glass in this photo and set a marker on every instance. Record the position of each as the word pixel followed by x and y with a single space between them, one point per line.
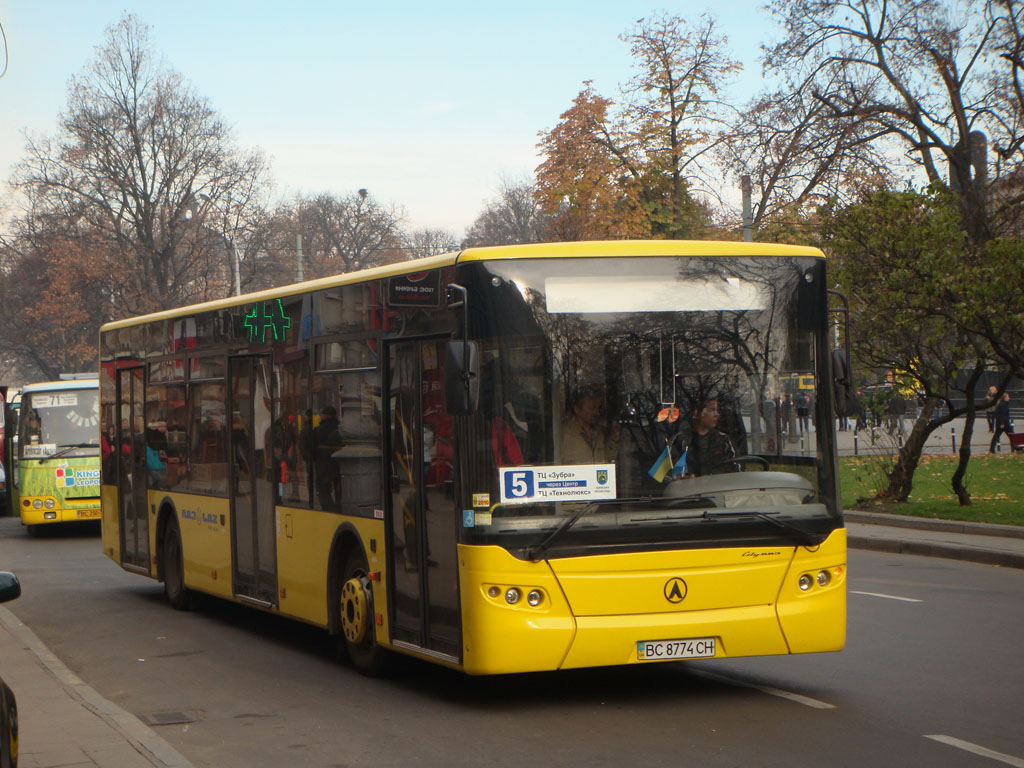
pixel 668 401
pixel 59 423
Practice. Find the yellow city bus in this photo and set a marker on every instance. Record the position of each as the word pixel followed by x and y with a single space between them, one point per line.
pixel 56 460
pixel 497 459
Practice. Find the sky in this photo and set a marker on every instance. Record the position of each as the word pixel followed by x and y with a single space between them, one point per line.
pixel 428 105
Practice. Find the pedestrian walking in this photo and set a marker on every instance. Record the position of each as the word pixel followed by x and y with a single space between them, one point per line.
pixel 803 411
pixel 990 414
pixel 1002 421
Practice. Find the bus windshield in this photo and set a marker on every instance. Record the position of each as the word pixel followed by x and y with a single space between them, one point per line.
pixel 659 401
pixel 59 423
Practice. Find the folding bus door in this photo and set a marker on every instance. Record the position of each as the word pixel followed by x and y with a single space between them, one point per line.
pixel 132 507
pixel 252 485
pixel 423 516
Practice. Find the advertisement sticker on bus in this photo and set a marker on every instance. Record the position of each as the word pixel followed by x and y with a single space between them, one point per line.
pixel 570 482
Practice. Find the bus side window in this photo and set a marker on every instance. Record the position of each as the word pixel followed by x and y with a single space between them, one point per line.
pixel 208 470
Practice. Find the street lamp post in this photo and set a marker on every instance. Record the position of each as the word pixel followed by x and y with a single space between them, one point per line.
pixel 238 267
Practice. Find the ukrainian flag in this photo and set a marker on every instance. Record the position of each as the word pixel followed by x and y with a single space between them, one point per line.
pixel 661 466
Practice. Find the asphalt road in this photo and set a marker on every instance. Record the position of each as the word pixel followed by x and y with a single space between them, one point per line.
pixel 933 674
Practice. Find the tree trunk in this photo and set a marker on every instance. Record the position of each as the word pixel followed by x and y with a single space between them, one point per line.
pixel 965 445
pixel 962 495
pixel 901 478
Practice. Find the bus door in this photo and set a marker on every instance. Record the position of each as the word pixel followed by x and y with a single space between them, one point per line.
pixel 133 505
pixel 424 581
pixel 252 481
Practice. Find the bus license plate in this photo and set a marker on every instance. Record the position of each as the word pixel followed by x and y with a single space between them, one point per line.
pixel 660 650
pixel 88 513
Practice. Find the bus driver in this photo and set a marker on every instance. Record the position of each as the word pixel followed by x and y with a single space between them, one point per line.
pixel 708 450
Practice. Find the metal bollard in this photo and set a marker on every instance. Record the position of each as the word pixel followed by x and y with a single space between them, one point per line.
pixel 854 443
pixel 952 435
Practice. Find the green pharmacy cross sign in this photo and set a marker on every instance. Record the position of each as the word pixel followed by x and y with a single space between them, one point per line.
pixel 265 318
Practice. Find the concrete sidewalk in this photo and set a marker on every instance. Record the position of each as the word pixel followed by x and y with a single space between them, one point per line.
pixel 64 723
pixel 1001 545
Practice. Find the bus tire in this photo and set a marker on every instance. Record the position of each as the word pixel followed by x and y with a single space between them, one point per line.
pixel 9 737
pixel 355 602
pixel 178 595
pixel 33 531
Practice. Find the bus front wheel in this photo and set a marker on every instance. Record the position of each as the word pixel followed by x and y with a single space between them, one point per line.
pixel 174 570
pixel 357 622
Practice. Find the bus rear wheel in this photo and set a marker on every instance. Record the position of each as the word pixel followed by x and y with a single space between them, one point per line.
pixel 355 602
pixel 178 595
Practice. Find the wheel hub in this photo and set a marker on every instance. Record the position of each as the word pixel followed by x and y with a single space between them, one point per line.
pixel 355 609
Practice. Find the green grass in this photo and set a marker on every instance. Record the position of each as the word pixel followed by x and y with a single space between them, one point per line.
pixel 996 485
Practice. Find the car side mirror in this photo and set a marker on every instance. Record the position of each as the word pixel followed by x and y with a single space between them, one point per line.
pixel 10 587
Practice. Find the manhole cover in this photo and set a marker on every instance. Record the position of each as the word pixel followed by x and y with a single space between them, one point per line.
pixel 169 718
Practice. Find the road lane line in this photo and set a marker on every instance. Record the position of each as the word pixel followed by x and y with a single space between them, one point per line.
pixel 807 701
pixel 887 597
pixel 977 750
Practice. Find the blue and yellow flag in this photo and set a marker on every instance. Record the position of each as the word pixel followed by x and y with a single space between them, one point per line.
pixel 661 466
pixel 680 468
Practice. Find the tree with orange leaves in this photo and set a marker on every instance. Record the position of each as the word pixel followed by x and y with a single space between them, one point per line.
pixel 54 295
pixel 632 170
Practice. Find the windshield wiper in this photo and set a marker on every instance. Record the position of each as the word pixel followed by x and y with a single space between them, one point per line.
pixel 805 538
pixel 66 449
pixel 533 553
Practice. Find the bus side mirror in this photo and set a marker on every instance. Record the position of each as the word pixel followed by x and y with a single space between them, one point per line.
pixel 844 399
pixel 843 395
pixel 10 588
pixel 461 377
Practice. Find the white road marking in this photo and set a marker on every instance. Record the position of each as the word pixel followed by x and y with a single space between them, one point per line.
pixel 975 749
pixel 887 597
pixel 807 701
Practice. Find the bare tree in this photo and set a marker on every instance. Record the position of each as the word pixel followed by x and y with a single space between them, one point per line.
pixel 797 157
pixel 925 79
pixel 512 217
pixel 430 242
pixel 138 161
pixel 339 234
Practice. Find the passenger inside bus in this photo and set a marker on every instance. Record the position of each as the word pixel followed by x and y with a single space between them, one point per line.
pixel 584 438
pixel 326 441
pixel 34 426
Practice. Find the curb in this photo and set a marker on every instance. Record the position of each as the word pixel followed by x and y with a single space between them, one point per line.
pixel 935 524
pixel 931 549
pixel 143 739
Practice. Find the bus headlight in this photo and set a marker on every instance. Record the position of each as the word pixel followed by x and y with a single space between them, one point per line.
pixel 823 578
pixel 49 504
pixel 534 597
pixel 805 582
pixel 37 504
pixel 513 595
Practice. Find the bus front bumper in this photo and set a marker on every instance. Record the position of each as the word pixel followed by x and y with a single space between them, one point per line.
pixel 71 511
pixel 736 606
